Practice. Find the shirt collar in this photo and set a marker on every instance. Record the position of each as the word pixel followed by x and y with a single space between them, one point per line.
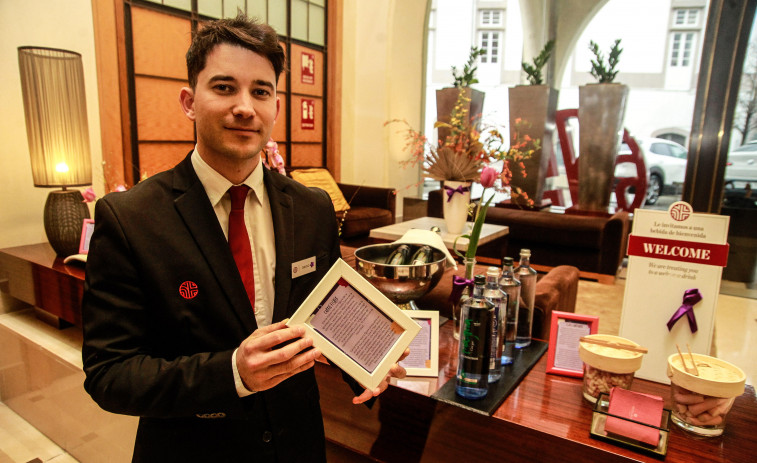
pixel 216 185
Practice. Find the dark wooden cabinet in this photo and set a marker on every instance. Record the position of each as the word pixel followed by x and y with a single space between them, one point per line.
pixel 37 276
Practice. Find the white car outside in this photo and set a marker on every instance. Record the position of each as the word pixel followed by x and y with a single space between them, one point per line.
pixel 666 166
pixel 741 167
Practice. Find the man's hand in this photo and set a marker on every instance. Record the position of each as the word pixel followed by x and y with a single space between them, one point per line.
pixel 396 371
pixel 262 367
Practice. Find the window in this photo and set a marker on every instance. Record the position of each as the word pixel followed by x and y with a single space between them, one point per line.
pixel 675 137
pixel 681 49
pixel 491 18
pixel 685 17
pixel 490 44
pixel 308 20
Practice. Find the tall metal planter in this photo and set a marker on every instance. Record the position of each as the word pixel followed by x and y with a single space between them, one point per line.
pixel 601 112
pixel 446 98
pixel 536 105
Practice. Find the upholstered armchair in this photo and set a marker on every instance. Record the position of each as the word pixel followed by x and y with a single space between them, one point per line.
pixel 359 208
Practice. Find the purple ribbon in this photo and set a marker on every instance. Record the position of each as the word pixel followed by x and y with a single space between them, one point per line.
pixel 458 284
pixel 690 298
pixel 451 191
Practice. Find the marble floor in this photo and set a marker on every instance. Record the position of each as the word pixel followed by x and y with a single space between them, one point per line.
pixel 20 442
pixel 735 341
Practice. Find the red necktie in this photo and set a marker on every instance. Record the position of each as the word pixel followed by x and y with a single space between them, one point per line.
pixel 239 240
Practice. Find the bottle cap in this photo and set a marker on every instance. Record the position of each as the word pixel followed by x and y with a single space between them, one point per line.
pixel 507 261
pixel 492 272
pixel 525 252
pixel 479 279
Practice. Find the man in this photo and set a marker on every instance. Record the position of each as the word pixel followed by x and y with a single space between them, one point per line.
pixel 178 330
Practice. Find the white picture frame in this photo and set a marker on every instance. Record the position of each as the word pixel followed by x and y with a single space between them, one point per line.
pixel 344 310
pixel 424 349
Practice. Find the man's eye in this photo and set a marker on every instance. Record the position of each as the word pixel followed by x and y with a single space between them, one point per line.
pixel 223 88
pixel 262 92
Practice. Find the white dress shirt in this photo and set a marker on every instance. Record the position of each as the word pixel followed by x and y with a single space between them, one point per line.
pixel 259 223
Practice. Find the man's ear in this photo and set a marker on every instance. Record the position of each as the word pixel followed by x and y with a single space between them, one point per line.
pixel 278 107
pixel 187 101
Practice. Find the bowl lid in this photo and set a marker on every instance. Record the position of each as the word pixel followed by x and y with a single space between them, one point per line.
pixel 717 378
pixel 609 358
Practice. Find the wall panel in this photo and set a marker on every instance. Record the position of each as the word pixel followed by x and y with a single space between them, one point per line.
pixel 307 70
pixel 157 157
pixel 160 43
pixel 307 154
pixel 303 130
pixel 159 114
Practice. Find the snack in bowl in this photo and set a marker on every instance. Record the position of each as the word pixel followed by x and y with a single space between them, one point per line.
pixel 702 401
pixel 606 367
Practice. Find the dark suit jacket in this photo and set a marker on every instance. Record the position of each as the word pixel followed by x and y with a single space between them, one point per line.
pixel 164 308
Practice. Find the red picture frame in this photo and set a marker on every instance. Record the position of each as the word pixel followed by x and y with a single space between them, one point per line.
pixel 565 330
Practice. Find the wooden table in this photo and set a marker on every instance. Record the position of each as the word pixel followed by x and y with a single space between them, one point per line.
pixel 544 419
pixel 37 276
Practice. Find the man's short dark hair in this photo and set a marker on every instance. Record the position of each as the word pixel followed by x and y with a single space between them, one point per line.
pixel 242 31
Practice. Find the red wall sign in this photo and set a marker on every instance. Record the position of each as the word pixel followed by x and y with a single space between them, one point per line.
pixel 308 114
pixel 307 62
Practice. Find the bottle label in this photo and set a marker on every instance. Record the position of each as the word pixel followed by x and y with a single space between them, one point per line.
pixel 475 341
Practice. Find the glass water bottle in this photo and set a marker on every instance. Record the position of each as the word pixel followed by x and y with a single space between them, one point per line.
pixel 472 380
pixel 511 287
pixel 496 296
pixel 527 277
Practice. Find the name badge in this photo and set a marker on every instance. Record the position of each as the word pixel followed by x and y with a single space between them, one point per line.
pixel 303 267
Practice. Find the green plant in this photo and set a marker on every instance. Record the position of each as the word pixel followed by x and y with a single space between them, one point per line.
pixel 533 72
pixel 468 76
pixel 605 74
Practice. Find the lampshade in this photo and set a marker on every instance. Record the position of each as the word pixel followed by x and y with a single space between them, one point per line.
pixel 52 82
pixel 55 105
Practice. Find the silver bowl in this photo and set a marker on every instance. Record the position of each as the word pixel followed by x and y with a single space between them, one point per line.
pixel 402 284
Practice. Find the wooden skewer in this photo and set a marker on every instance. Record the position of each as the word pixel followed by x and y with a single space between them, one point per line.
pixel 686 368
pixel 614 345
pixel 696 370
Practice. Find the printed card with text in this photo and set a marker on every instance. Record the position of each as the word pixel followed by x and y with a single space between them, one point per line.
pixel 675 262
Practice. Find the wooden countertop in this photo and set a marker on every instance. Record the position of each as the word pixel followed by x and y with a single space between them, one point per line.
pixel 544 419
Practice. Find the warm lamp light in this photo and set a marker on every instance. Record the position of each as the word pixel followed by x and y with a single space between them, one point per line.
pixel 52 82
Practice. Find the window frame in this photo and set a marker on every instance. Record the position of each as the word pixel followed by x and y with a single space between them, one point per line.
pixel 491 52
pixel 491 17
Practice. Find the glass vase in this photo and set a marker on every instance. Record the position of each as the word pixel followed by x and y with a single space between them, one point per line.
pixel 470 264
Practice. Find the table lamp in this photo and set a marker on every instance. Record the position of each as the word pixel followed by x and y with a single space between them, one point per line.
pixel 52 82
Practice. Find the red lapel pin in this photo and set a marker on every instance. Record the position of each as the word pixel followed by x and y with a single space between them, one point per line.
pixel 188 290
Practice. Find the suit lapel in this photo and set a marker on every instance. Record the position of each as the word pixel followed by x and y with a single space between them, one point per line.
pixel 195 209
pixel 282 213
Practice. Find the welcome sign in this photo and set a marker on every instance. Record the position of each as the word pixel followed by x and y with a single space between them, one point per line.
pixel 675 262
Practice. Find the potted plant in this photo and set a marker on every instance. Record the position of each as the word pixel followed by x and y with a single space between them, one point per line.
pixel 601 110
pixel 447 98
pixel 458 159
pixel 535 103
